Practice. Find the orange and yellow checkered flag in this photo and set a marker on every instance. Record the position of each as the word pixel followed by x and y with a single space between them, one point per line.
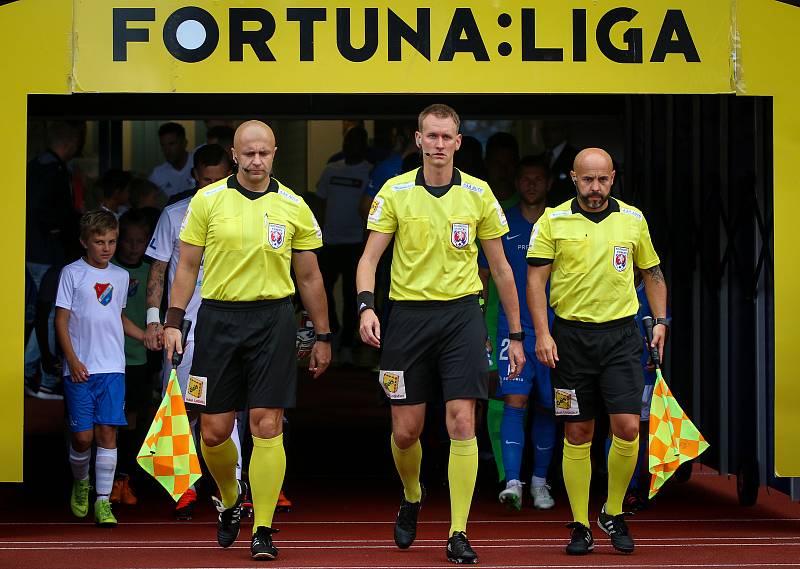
pixel 168 453
pixel 673 437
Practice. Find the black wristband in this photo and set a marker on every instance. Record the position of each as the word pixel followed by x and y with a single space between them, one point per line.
pixel 174 317
pixel 365 300
pixel 518 336
pixel 665 321
pixel 325 337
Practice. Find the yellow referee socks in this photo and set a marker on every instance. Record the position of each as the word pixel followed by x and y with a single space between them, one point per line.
pixel 577 467
pixel 221 461
pixel 408 462
pixel 621 464
pixel 462 471
pixel 267 469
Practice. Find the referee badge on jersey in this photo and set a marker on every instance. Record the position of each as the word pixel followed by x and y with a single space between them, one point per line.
pixel 459 235
pixel 393 383
pixel 276 234
pixel 620 258
pixel 566 402
pixel 196 390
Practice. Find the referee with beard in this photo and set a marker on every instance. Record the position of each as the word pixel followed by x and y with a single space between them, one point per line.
pixel 250 230
pixel 588 247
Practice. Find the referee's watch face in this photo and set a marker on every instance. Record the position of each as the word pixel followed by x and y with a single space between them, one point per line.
pixel 439 140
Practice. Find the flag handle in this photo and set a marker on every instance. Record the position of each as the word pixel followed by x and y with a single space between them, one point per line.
pixel 647 321
pixel 186 325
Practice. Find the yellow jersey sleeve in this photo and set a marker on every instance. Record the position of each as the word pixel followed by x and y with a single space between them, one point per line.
pixel 195 223
pixel 307 234
pixel 382 217
pixel 645 255
pixel 492 222
pixel 541 244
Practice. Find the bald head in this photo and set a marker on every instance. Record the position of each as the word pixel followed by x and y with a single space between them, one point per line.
pixel 253 130
pixel 254 150
pixel 593 175
pixel 593 159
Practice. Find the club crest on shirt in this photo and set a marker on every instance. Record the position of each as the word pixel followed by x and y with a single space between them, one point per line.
pixel 620 258
pixel 133 288
pixel 459 235
pixel 276 234
pixel 104 292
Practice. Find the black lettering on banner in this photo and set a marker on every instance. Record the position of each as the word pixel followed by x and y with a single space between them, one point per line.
pixel 463 22
pixel 187 54
pixel 632 37
pixel 256 39
pixel 306 17
pixel 529 50
pixel 419 39
pixel 675 24
pixel 579 35
pixel 122 34
pixel 357 54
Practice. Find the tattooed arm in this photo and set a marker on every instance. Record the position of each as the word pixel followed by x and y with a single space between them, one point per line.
pixel 656 289
pixel 155 292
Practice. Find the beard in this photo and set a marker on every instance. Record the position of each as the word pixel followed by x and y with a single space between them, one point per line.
pixel 593 200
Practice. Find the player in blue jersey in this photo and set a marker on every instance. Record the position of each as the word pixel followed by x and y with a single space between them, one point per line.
pixel 532 181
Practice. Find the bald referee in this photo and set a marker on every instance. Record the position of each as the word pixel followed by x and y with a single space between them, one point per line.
pixel 435 337
pixel 588 248
pixel 250 230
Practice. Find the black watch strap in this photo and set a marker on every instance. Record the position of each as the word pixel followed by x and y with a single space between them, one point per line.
pixel 665 321
pixel 518 336
pixel 324 337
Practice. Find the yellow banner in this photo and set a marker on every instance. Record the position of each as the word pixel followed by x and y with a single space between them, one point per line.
pixel 554 46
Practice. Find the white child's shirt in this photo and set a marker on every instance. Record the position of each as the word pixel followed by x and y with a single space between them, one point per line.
pixel 95 297
pixel 165 246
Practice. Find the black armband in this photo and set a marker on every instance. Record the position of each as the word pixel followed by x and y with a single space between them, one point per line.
pixel 174 317
pixel 365 300
pixel 517 336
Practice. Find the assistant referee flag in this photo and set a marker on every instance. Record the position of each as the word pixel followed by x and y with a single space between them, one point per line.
pixel 168 453
pixel 673 437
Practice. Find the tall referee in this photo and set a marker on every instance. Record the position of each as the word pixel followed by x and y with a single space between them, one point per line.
pixel 251 229
pixel 588 247
pixel 435 337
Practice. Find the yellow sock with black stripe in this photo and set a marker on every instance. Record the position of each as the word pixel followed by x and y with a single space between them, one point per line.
pixel 408 462
pixel 577 467
pixel 621 464
pixel 267 469
pixel 221 461
pixel 462 471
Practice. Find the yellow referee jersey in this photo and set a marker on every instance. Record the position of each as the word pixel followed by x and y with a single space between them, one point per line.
pixel 593 257
pixel 248 239
pixel 435 254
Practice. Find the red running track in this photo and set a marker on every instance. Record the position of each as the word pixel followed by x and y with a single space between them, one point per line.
pixel 696 524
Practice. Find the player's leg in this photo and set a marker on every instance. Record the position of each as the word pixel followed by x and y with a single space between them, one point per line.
pixel 464 371
pixel 574 387
pixel 512 427
pixel 108 391
pixel 543 434
pixel 80 414
pixel 407 366
pixel 270 366
pixel 621 384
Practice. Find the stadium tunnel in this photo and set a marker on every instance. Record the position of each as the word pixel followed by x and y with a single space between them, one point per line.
pixel 708 152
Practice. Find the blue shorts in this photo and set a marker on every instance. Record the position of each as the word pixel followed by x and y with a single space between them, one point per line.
pixel 534 373
pixel 98 401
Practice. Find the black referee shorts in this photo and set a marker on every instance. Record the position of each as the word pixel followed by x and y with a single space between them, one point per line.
pixel 244 356
pixel 426 340
pixel 597 360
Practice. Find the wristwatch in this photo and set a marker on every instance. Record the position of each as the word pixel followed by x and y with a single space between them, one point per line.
pixel 324 337
pixel 665 321
pixel 518 336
